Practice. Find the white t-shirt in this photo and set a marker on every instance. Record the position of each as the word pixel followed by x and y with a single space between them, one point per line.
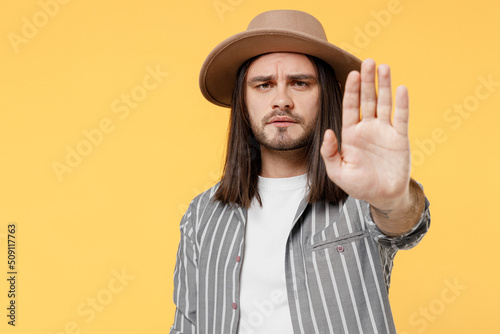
pixel 263 299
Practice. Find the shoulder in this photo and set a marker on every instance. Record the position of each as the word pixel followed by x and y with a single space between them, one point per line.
pixel 199 206
pixel 205 200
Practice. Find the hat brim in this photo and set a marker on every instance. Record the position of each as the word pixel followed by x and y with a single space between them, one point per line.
pixel 218 73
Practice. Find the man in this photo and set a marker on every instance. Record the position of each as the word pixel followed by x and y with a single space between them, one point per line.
pixel 315 200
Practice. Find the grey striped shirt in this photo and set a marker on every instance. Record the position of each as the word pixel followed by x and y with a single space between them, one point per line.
pixel 338 267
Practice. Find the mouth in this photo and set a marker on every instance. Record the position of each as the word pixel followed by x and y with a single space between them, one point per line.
pixel 281 121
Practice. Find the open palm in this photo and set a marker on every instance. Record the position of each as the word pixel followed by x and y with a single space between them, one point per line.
pixel 374 161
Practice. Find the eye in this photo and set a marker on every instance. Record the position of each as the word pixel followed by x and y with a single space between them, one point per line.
pixel 301 84
pixel 264 86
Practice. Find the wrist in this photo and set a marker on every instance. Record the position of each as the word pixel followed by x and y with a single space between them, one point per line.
pixel 399 202
pixel 399 216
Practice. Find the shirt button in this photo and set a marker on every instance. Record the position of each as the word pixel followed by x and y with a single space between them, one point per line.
pixel 238 258
pixel 340 249
pixel 234 306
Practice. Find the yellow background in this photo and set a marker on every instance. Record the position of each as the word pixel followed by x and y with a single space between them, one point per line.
pixel 118 209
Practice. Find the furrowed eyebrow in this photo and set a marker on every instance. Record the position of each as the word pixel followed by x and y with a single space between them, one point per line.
pixel 264 78
pixel 301 77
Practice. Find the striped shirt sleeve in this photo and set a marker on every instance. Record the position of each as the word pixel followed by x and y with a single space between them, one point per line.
pixel 405 241
pixel 185 289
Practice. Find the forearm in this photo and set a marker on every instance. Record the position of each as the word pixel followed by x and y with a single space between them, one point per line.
pixel 403 215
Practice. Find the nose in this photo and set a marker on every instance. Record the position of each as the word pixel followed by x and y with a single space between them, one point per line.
pixel 282 99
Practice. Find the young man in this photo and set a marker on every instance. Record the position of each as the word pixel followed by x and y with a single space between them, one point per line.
pixel 316 198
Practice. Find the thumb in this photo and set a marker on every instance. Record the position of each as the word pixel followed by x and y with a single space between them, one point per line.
pixel 329 150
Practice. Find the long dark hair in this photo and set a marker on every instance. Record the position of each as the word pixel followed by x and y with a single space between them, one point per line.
pixel 238 184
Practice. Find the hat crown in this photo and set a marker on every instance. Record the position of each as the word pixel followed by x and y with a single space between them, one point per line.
pixel 272 31
pixel 289 20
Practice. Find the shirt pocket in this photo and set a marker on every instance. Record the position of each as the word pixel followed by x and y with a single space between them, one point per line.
pixel 339 241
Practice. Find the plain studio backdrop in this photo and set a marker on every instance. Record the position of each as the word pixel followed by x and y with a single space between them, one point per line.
pixel 105 139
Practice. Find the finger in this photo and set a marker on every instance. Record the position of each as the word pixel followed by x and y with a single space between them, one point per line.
pixel 350 104
pixel 384 101
pixel 329 152
pixel 402 111
pixel 368 91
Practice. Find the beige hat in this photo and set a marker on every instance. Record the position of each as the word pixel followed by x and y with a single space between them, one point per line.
pixel 272 31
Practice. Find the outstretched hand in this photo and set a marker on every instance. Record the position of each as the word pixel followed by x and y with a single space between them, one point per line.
pixel 374 162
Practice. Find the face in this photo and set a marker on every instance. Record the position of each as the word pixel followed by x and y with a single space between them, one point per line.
pixel 282 98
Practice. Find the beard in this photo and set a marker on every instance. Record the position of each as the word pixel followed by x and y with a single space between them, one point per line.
pixel 282 139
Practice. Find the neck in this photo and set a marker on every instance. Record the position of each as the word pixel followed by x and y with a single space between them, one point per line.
pixel 280 164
